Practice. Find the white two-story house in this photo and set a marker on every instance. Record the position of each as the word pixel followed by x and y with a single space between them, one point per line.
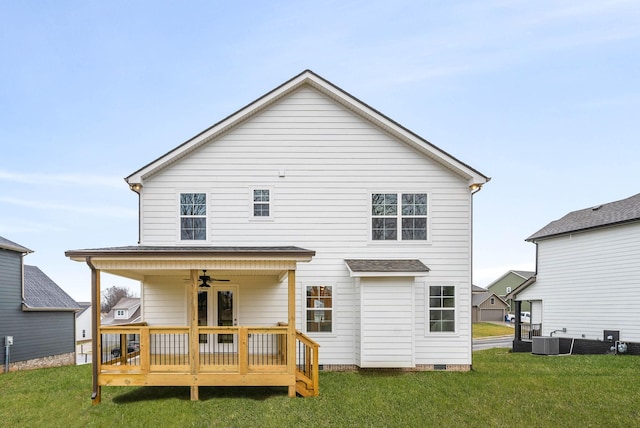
pixel 305 218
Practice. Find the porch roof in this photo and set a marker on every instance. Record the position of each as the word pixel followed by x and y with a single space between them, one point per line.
pixel 137 261
pixel 386 267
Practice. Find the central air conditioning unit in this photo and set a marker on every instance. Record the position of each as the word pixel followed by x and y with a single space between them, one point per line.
pixel 544 345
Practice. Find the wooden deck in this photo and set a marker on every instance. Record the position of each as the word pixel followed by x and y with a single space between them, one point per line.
pixel 226 356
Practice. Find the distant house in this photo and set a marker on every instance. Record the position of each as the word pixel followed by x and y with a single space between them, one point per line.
pixel 487 306
pixel 509 282
pixel 588 274
pixel 84 321
pixel 306 220
pixel 36 314
pixel 126 311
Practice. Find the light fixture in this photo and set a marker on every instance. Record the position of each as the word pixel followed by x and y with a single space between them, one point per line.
pixel 205 279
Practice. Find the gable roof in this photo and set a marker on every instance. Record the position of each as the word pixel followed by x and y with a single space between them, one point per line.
pixel 41 293
pixel 524 274
pixel 477 289
pixel 618 212
pixel 308 78
pixel 479 298
pixel 132 304
pixel 5 244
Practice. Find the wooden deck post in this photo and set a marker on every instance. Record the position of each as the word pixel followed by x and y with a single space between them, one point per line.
pixel 291 331
pixel 194 347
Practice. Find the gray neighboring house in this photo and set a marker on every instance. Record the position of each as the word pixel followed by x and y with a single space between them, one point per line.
pixel 35 312
pixel 487 306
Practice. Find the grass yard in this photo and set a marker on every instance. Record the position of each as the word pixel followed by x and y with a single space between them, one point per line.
pixel 487 329
pixel 504 389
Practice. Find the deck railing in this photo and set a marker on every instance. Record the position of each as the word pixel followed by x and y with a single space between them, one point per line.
pixel 138 352
pixel 307 368
pixel 166 349
pixel 529 331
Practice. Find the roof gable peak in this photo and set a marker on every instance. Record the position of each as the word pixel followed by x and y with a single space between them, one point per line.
pixel 307 77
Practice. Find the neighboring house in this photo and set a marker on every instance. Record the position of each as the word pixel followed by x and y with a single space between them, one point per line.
pixel 305 218
pixel 36 314
pixel 509 282
pixel 84 319
pixel 488 306
pixel 126 311
pixel 588 274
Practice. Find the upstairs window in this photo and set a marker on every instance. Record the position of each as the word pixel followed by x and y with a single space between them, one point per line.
pixel 193 216
pixel 442 308
pixel 120 314
pixel 399 216
pixel 261 203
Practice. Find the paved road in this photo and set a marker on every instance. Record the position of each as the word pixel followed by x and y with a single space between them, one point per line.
pixel 493 342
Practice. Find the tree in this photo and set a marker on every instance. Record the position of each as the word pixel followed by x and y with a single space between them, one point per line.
pixel 112 295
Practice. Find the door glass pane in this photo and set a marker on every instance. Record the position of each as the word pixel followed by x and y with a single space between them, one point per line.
pixel 225 314
pixel 202 313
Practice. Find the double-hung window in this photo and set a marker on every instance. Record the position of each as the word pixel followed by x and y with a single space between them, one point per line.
pixel 399 216
pixel 193 216
pixel 319 309
pixel 442 308
pixel 261 203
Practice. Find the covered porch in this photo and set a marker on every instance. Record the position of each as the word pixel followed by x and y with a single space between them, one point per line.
pixel 213 347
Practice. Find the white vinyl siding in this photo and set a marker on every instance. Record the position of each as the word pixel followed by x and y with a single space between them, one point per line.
pixel 332 161
pixel 588 282
pixel 386 322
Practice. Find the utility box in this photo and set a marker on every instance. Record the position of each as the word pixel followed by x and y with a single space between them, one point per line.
pixel 545 345
pixel 8 340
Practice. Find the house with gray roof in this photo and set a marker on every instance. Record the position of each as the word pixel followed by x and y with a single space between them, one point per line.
pixel 305 230
pixel 37 317
pixel 509 282
pixel 587 282
pixel 487 306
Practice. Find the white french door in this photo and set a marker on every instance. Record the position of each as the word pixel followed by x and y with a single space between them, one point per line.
pixel 218 306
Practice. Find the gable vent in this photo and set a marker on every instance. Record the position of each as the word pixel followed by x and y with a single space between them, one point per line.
pixel 596 208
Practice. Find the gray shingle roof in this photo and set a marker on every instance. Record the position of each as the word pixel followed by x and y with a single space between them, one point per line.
pixel 387 266
pixel 623 211
pixel 145 250
pixel 41 292
pixel 10 245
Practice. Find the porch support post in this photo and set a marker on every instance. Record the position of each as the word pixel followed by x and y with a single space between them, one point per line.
pixel 194 348
pixel 291 332
pixel 96 342
pixel 518 335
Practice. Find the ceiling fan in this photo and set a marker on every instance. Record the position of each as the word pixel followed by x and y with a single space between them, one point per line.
pixel 206 278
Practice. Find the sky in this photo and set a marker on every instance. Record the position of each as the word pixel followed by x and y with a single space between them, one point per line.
pixel 542 96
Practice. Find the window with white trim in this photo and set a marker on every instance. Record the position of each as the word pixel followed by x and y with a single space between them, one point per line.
pixel 399 216
pixel 120 313
pixel 261 203
pixel 442 308
pixel 193 216
pixel 319 308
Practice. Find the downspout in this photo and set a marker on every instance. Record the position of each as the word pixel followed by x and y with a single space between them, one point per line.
pixel 95 307
pixel 474 188
pixel 137 187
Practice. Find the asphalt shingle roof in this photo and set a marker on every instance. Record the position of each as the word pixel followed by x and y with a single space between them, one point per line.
pixel 41 292
pixel 623 211
pixel 10 245
pixel 386 266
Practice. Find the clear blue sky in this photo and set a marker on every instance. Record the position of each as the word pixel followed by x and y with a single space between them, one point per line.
pixel 543 96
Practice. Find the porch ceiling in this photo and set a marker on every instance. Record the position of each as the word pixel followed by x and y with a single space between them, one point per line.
pixel 136 262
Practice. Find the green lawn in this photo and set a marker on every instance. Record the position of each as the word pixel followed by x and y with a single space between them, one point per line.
pixel 487 329
pixel 504 389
